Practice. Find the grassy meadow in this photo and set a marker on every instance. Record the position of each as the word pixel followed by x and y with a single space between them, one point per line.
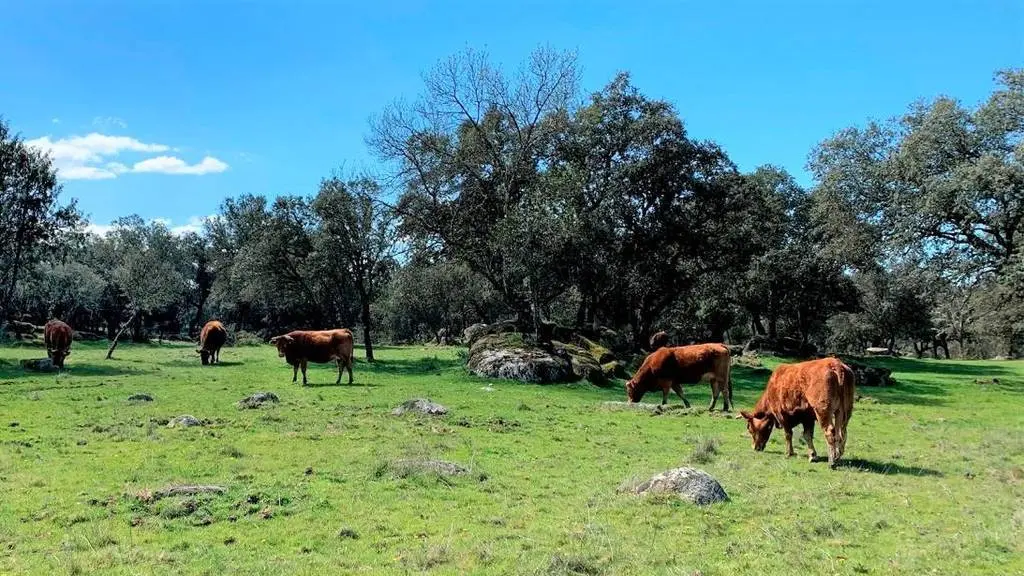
pixel 933 482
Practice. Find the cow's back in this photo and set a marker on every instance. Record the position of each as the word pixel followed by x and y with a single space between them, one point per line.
pixel 319 345
pixel 57 335
pixel 688 364
pixel 213 335
pixel 821 384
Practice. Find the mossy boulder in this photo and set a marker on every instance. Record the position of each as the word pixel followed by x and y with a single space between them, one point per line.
pixel 506 355
pixel 497 352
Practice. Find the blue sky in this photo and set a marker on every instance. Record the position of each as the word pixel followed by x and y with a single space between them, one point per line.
pixel 164 108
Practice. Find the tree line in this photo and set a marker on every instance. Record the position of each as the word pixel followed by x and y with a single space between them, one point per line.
pixel 505 195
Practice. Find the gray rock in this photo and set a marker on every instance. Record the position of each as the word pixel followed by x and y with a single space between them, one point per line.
pixel 184 421
pixel 39 365
pixel 420 405
pixel 872 376
pixel 878 351
pixel 525 365
pixel 256 400
pixel 404 468
pixel 470 334
pixel 643 407
pixel 140 397
pixel 690 484
pixel 187 490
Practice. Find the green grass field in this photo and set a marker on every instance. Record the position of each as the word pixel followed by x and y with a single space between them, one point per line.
pixel 933 484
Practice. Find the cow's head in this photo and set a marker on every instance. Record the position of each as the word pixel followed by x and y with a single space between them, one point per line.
pixel 282 343
pixel 58 355
pixel 633 390
pixel 204 355
pixel 759 425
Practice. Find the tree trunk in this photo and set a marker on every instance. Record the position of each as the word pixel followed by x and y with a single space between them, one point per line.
pixel 117 337
pixel 755 319
pixel 367 342
pixel 138 330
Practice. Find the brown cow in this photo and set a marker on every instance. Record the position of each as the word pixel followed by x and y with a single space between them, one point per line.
pixel 58 337
pixel 659 340
pixel 211 339
pixel 674 366
pixel 801 393
pixel 301 346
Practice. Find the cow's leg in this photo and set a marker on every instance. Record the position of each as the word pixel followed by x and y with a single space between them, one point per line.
pixel 678 389
pixel 714 393
pixel 825 419
pixel 812 455
pixel 788 429
pixel 303 366
pixel 340 364
pixel 295 372
pixel 348 365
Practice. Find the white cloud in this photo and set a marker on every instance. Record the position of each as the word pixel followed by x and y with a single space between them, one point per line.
pixel 100 229
pixel 116 167
pixel 88 157
pixel 91 148
pixel 55 120
pixel 194 224
pixel 86 173
pixel 175 165
pixel 108 122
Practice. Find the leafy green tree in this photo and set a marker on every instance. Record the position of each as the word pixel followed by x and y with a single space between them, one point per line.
pixel 943 176
pixel 146 264
pixel 31 220
pixel 649 212
pixel 469 153
pixel 358 236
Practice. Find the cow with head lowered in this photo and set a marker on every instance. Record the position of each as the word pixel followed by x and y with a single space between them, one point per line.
pixel 211 340
pixel 671 367
pixel 799 395
pixel 300 347
pixel 58 337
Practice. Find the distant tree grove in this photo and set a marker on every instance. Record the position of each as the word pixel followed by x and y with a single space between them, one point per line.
pixel 505 196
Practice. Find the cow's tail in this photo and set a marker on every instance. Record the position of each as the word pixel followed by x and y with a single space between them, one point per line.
pixel 846 382
pixel 728 381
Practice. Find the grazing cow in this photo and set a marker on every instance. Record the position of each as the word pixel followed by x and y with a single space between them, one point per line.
pixel 674 366
pixel 57 336
pixel 211 339
pixel 801 393
pixel 301 346
pixel 659 340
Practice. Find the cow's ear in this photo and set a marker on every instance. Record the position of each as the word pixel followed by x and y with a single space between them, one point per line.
pixel 746 414
pixel 275 339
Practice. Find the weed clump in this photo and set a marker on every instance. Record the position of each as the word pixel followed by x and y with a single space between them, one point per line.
pixel 705 449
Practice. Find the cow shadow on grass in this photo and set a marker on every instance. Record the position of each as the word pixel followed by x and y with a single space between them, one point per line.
pixel 416 367
pixel 13 371
pixel 330 384
pixel 885 468
pixel 197 363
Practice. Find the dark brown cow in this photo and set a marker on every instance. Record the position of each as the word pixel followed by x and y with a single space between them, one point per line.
pixel 58 337
pixel 659 340
pixel 670 368
pixel 301 346
pixel 211 339
pixel 799 394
